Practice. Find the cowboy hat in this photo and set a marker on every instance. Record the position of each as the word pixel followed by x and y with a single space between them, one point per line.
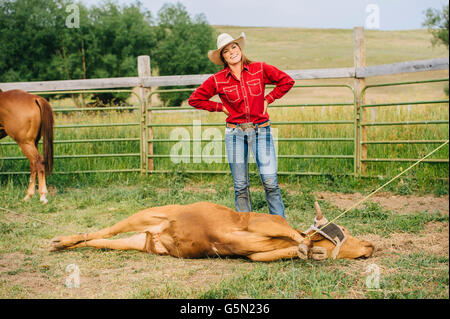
pixel 222 41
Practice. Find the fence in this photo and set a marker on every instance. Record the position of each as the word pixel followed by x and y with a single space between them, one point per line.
pixel 94 144
pixel 220 140
pixel 364 125
pixel 142 126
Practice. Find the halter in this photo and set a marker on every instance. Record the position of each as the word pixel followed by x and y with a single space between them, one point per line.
pixel 332 232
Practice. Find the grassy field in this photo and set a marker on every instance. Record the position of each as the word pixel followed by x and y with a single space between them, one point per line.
pixel 408 223
pixel 412 246
pixel 293 48
pixel 289 49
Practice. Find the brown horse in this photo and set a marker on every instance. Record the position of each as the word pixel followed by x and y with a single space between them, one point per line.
pixel 25 118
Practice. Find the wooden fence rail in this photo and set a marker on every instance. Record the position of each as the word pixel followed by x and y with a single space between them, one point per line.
pixel 144 81
pixel 177 80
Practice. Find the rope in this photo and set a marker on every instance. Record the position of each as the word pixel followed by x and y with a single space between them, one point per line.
pixel 27 216
pixel 378 189
pixel 308 236
pixel 36 219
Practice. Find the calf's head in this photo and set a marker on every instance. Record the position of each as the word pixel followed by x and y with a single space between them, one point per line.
pixel 343 245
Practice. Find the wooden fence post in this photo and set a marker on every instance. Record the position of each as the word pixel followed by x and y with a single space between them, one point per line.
pixel 359 57
pixel 147 132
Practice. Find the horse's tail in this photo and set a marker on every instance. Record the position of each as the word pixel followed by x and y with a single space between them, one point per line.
pixel 47 122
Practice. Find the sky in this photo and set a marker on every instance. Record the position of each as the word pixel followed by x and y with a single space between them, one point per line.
pixel 339 14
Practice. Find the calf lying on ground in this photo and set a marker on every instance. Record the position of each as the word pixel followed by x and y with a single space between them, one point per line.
pixel 206 229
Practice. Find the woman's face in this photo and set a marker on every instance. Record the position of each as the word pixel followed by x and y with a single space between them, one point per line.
pixel 232 54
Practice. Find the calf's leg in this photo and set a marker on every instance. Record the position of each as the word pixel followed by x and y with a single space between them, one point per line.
pixel 136 242
pixel 143 221
pixel 283 253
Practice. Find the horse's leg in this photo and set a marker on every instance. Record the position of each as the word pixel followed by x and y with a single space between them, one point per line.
pixel 36 167
pixel 42 184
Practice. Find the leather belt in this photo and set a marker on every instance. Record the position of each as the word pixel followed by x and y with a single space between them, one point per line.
pixel 245 126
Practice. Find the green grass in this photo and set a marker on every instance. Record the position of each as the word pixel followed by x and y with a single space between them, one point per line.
pixel 287 48
pixel 88 202
pixel 423 274
pixel 89 206
pixel 372 219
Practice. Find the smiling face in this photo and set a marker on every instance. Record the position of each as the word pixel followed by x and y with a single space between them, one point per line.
pixel 232 54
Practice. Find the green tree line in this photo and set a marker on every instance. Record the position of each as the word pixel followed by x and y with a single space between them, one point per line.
pixel 437 23
pixel 40 40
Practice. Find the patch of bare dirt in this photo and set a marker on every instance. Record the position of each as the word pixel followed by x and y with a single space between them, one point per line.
pixel 434 239
pixel 43 275
pixel 396 203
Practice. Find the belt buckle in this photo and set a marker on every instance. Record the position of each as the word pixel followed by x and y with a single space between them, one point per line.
pixel 245 126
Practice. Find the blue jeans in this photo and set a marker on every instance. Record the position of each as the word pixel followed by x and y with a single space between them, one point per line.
pixel 260 142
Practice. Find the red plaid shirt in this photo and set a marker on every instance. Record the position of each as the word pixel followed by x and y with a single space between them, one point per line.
pixel 244 99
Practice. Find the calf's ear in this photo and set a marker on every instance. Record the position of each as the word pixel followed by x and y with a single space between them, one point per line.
pixel 319 214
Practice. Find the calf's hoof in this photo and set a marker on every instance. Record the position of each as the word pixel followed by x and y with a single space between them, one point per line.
pixel 57 244
pixel 303 251
pixel 319 253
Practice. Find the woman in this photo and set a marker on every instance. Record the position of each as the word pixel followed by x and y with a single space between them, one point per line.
pixel 240 86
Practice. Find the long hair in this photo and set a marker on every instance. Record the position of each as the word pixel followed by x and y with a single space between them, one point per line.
pixel 244 58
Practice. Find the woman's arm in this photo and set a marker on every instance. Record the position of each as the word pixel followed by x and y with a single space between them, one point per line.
pixel 283 82
pixel 200 98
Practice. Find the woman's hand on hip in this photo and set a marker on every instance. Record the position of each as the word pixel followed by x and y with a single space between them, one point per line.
pixel 266 104
pixel 224 110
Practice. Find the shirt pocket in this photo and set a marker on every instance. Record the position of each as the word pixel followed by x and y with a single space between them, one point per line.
pixel 254 86
pixel 232 93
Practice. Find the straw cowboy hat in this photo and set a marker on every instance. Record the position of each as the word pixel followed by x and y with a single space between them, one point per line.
pixel 222 41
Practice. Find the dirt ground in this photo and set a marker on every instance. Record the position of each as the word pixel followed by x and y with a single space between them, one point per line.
pixel 42 274
pixel 396 203
pixel 434 239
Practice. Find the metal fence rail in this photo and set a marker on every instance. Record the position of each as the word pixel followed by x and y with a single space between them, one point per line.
pixel 364 124
pixel 69 110
pixel 149 127
pixel 146 140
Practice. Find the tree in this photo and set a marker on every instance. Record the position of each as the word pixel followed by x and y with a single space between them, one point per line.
pixel 437 23
pixel 183 44
pixel 37 45
pixel 117 37
pixel 28 39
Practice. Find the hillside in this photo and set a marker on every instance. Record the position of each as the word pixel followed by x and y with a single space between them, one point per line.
pixel 295 48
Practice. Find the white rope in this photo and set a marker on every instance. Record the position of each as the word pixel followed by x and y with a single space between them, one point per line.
pixel 379 188
pixel 36 219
